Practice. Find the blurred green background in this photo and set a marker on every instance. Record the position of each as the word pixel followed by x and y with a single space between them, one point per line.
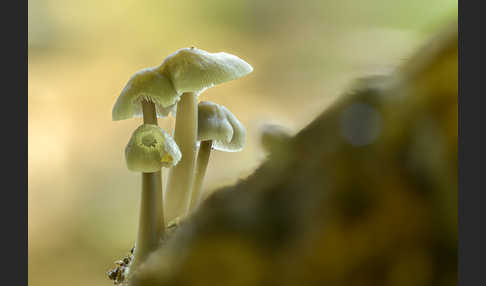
pixel 83 202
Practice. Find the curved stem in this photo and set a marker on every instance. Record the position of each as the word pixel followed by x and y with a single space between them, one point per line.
pixel 151 219
pixel 181 176
pixel 201 166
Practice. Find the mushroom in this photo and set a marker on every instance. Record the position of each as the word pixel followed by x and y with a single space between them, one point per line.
pixel 218 129
pixel 148 94
pixel 145 87
pixel 150 148
pixel 191 71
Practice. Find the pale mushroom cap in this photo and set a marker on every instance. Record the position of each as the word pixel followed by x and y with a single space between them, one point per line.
pixel 146 84
pixel 194 70
pixel 239 135
pixel 150 148
pixel 212 123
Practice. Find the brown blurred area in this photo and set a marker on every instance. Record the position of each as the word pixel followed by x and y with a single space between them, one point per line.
pixel 83 202
pixel 365 195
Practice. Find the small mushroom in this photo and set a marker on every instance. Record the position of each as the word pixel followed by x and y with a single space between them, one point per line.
pixel 212 123
pixel 150 94
pixel 150 148
pixel 145 86
pixel 191 71
pixel 194 70
pixel 218 129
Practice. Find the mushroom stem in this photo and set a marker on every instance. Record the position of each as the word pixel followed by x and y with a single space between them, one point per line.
pixel 201 166
pixel 151 219
pixel 181 176
pixel 149 113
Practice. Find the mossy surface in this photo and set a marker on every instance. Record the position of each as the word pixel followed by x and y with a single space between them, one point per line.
pixel 364 195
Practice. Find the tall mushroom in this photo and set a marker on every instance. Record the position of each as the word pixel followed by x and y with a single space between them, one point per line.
pixel 151 95
pixel 218 129
pixel 147 93
pixel 192 71
pixel 150 148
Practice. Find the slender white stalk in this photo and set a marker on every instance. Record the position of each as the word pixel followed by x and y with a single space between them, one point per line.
pixel 201 166
pixel 151 219
pixel 181 176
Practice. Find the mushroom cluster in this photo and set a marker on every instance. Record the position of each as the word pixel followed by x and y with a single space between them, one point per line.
pixel 174 87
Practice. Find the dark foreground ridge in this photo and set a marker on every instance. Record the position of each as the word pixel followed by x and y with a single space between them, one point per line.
pixel 364 195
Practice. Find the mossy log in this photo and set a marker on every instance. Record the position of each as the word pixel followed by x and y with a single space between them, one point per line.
pixel 364 195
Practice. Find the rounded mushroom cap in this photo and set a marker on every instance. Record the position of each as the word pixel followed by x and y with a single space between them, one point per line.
pixel 151 148
pixel 238 140
pixel 217 123
pixel 149 85
pixel 194 70
pixel 212 123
